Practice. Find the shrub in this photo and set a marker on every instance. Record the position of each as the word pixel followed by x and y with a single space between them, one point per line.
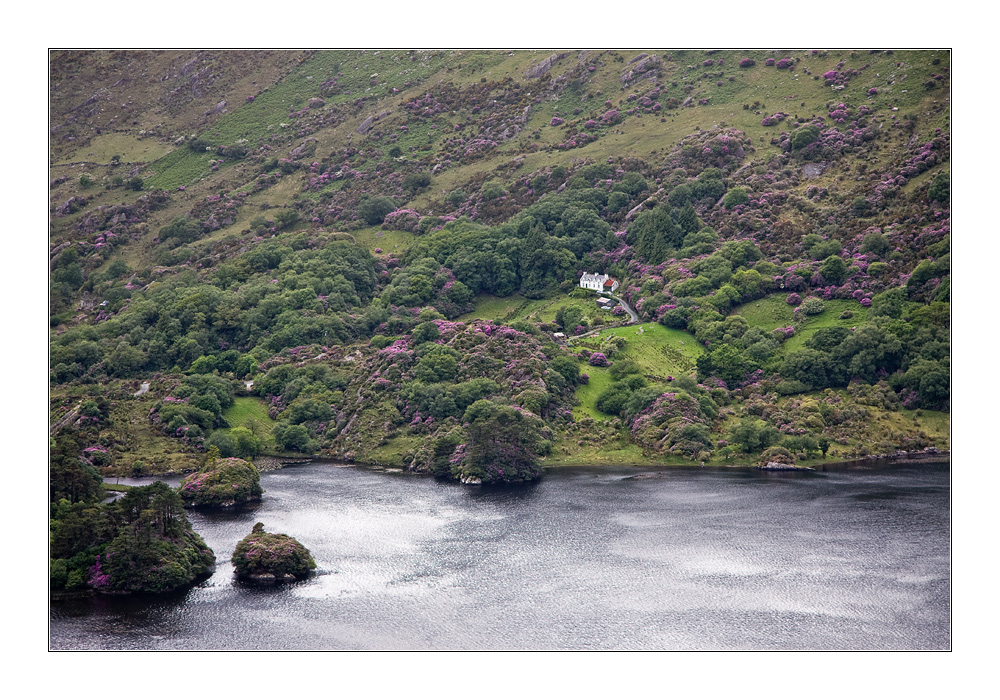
pixel 598 359
pixel 777 454
pixel 747 63
pixel 414 182
pixel 492 190
pixel 812 306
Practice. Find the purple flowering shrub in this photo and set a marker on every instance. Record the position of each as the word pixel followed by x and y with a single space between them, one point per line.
pixel 773 119
pixel 598 359
pixel 402 220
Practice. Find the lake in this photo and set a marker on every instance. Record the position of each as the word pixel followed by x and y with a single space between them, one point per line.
pixel 684 559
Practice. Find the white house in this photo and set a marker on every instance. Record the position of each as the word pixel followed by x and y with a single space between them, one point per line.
pixel 598 282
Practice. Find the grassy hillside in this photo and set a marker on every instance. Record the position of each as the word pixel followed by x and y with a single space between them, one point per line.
pixel 386 242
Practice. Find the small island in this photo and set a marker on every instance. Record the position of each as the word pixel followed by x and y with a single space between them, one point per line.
pixel 222 483
pixel 265 557
pixel 141 543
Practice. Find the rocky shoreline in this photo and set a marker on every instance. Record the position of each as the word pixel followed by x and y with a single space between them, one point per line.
pixel 782 467
pixel 270 464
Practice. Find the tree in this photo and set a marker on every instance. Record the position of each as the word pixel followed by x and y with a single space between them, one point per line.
pixel 727 362
pixel 824 445
pixel 415 182
pixel 293 437
pixel 753 435
pixel 504 443
pixel 833 269
pixel 940 189
pixel 181 229
pixel 437 366
pixel 568 368
pixel 373 211
pixel 654 234
pixel 875 243
pixel 223 442
pixel 735 197
pixel 808 366
pixel 803 136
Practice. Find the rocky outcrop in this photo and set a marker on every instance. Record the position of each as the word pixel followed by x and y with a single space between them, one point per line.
pixel 540 69
pixel 645 68
pixel 217 109
pixel 366 126
pixel 811 170
pixel 304 150
pixel 783 467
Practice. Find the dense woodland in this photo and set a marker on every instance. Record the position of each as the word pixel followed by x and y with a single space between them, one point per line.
pixel 368 255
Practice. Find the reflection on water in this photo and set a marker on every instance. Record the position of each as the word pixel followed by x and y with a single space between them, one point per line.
pixel 585 559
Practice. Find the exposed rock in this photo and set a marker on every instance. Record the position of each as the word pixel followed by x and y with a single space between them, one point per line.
pixel 217 109
pixel 365 126
pixel 540 69
pixel 811 170
pixel 306 149
pixel 646 68
pixel 782 467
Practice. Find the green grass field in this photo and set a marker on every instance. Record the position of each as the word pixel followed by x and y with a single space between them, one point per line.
pixel 659 351
pixel 251 413
pixel 772 312
pixel 131 149
pixel 587 393
pixel 520 308
pixel 389 242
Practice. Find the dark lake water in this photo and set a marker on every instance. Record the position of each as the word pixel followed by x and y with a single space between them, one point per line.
pixel 586 559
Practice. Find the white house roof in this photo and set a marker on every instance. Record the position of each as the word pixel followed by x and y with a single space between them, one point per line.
pixel 595 277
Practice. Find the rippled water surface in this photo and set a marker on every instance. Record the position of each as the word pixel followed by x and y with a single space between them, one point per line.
pixel 586 559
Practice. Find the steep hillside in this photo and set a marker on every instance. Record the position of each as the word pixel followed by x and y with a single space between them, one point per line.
pixel 378 249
